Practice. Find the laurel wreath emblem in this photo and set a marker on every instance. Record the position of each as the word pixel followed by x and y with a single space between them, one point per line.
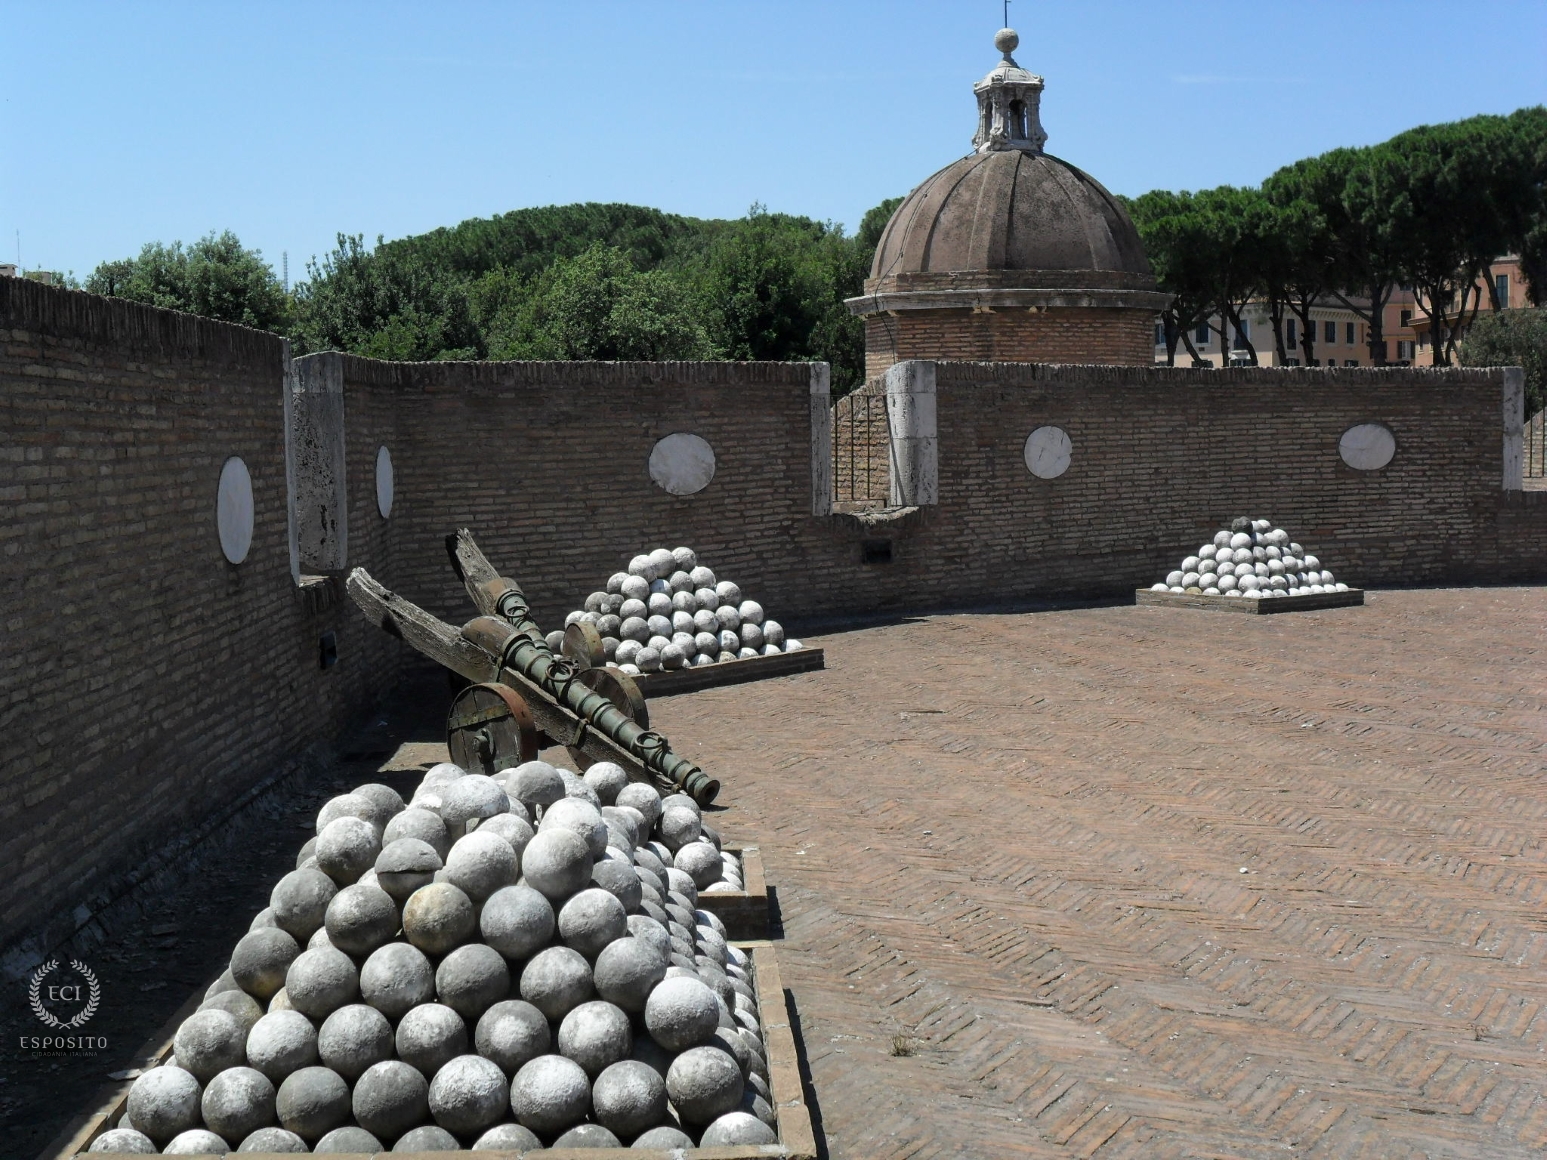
pixel 47 1016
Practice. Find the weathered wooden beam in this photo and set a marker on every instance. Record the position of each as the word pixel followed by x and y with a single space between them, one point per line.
pixel 441 642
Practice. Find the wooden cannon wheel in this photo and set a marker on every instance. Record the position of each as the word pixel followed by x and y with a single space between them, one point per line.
pixel 490 728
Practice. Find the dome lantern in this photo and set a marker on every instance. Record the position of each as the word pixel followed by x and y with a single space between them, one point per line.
pixel 1009 103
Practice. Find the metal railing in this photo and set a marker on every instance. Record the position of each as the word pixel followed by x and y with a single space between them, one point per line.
pixel 1535 456
pixel 862 468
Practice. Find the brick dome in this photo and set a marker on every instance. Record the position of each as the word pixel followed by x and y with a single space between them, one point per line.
pixel 1023 219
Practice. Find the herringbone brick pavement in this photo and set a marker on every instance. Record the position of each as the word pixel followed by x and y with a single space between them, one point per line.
pixel 1160 883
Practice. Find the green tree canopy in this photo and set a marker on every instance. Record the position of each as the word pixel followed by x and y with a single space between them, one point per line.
pixel 1512 338
pixel 214 277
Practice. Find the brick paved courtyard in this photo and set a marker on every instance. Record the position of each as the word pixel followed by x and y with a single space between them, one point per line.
pixel 1154 882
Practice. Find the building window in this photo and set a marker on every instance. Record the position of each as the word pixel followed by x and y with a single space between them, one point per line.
pixel 1385 351
pixel 1329 332
pixel 1501 282
pixel 1201 335
pixel 1291 362
pixel 1350 362
pixel 1350 334
pixel 1291 331
pixel 1160 334
pixel 1242 332
pixel 1407 318
pixel 1404 349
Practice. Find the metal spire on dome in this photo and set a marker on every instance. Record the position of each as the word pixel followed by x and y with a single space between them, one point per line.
pixel 1009 103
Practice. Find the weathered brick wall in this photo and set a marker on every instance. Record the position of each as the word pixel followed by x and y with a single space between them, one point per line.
pixel 1053 335
pixel 145 681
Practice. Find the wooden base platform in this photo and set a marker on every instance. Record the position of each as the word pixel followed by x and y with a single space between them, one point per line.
pixel 1148 596
pixel 744 912
pixel 669 683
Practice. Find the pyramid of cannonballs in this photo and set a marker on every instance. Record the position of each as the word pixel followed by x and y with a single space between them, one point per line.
pixel 668 611
pixel 505 962
pixel 1254 560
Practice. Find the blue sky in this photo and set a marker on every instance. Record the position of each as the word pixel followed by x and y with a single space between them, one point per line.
pixel 122 123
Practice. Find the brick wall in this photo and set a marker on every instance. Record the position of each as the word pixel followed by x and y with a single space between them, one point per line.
pixel 1053 335
pixel 146 682
pixel 861 448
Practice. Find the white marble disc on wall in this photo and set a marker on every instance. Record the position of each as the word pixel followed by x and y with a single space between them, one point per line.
pixel 1047 452
pixel 384 481
pixel 233 510
pixel 1368 446
pixel 682 463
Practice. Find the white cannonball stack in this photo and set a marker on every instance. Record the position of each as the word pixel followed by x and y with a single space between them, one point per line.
pixel 514 962
pixel 1259 564
pixel 668 611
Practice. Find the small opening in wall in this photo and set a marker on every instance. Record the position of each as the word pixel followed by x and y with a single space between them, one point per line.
pixel 875 551
pixel 327 650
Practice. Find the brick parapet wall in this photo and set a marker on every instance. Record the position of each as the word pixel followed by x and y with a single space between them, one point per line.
pixel 145 681
pixel 1052 335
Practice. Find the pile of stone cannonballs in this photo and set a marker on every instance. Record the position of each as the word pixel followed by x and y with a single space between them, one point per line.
pixel 1254 560
pixel 668 611
pixel 504 962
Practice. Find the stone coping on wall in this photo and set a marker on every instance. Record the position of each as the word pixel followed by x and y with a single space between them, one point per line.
pixel 35 308
pixel 507 375
pixel 1089 374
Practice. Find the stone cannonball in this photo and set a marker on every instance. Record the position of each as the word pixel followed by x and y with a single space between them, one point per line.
pixel 239 1003
pixel 628 970
pixel 507 1137
pixel 517 921
pixel 390 1098
pixel 704 1083
pixel 683 606
pixel 683 800
pixel 471 979
pixel 396 978
pixel 635 627
pixel 264 917
pixel 682 1013
pixel 587 1136
pixel 238 1102
pixel 686 558
pixel 480 864
pixel 730 644
pixel 663 1137
pixel 441 773
pixel 196 1142
pixel 273 1140
pixel 347 805
pixel 751 612
pixel 320 981
pixel 639 566
pixel 550 1094
pixel 625 821
pixel 737 1128
pixel 707 601
pixel 629 1097
pixel 427 1138
pixel 664 561
pixel 386 800
pixel 468 1095
pixel 702 577
pixel 312 1102
pixel 700 861
pixel 673 657
pixel 361 918
pixel 728 592
pixel 752 636
pixel 648 659
pixel 628 651
pixel 430 1035
pixel 592 919
pixel 473 796
pixel 280 1043
pixel 438 917
pixel 259 962
pixel 643 797
pixel 537 783
pixel 514 829
pixel 618 878
pixel 773 633
pixel 353 1038
pixel 404 865
pixel 607 778
pixel 124 1140
pixel 734 1046
pixel 347 848
pixel 575 787
pixel 595 1035
pixel 650 932
pixel 581 818
pixel 300 900
pixel 556 981
pixel 512 1033
pixel 680 882
pixel 163 1102
pixel 659 604
pixel 417 822
pixel 557 863
pixel 346 1140
pixel 207 1043
pixel 678 827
